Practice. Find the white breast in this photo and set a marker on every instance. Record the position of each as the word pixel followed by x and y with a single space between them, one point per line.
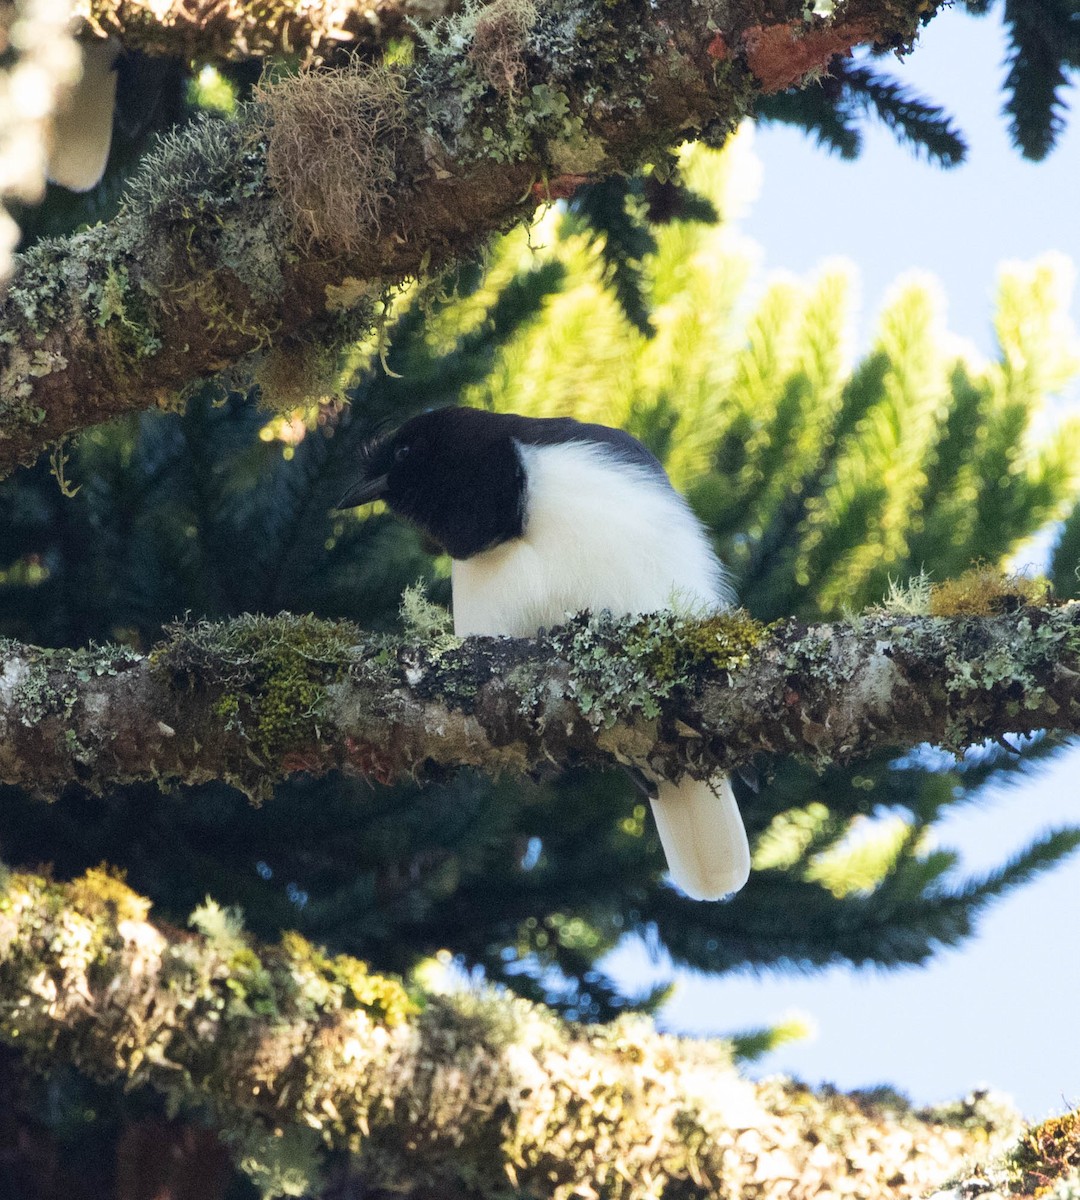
pixel 599 534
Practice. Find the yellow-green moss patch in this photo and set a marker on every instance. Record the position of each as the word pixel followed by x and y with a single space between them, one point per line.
pixel 630 664
pixel 271 672
pixel 1047 1153
pixel 986 591
pixel 681 648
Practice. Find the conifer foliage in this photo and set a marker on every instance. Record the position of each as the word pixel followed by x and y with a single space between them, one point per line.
pixel 834 110
pixel 1044 49
pixel 1042 58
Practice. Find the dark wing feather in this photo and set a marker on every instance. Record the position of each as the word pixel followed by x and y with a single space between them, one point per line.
pixel 546 431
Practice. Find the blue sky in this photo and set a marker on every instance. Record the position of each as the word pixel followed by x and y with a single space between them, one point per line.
pixel 890 212
pixel 1000 1011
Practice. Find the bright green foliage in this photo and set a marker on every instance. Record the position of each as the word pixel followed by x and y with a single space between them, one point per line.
pixel 751 1044
pixel 820 478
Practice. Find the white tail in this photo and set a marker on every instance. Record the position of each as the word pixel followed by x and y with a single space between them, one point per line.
pixel 82 129
pixel 703 837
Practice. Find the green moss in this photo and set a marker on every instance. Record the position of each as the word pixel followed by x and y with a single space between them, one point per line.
pixel 629 665
pixel 271 674
pixel 116 301
pixel 295 975
pixel 384 999
pixel 722 642
pixel 252 985
pixel 102 894
pixel 1046 1154
pixel 288 704
pixel 228 709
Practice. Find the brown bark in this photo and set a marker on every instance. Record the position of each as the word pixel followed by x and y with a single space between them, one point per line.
pixel 473 1094
pixel 208 265
pixel 231 30
pixel 170 1160
pixel 257 698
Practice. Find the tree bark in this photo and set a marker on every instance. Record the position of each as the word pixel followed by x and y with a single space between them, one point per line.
pixel 244 29
pixel 472 1095
pixel 261 234
pixel 254 699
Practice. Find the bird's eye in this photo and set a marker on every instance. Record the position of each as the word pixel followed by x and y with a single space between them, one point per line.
pixel 401 453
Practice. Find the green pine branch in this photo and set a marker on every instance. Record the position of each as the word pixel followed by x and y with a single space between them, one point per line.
pixel 833 110
pixel 1043 42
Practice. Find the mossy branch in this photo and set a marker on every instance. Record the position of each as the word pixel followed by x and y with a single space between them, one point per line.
pixel 242 29
pixel 222 252
pixel 287 1051
pixel 1044 1161
pixel 251 700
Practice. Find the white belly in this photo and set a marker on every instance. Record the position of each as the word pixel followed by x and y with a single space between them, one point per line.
pixel 598 535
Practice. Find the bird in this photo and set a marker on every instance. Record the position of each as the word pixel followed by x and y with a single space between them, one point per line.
pixel 544 517
pixel 81 132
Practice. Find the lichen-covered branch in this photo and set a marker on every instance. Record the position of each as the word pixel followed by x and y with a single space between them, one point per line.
pixel 253 699
pixel 279 231
pixel 287 1050
pixel 236 29
pixel 1044 1161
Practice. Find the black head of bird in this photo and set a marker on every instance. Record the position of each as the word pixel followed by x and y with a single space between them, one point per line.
pixel 455 473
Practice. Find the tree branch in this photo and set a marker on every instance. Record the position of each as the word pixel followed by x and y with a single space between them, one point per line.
pixel 243 29
pixel 290 1049
pixel 268 234
pixel 254 699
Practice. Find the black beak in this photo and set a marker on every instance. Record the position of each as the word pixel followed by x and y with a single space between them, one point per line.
pixel 363 492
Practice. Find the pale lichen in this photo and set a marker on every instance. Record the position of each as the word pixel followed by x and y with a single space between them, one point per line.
pixel 333 141
pixel 619 667
pixel 286 1051
pixel 48 682
pixel 192 1016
